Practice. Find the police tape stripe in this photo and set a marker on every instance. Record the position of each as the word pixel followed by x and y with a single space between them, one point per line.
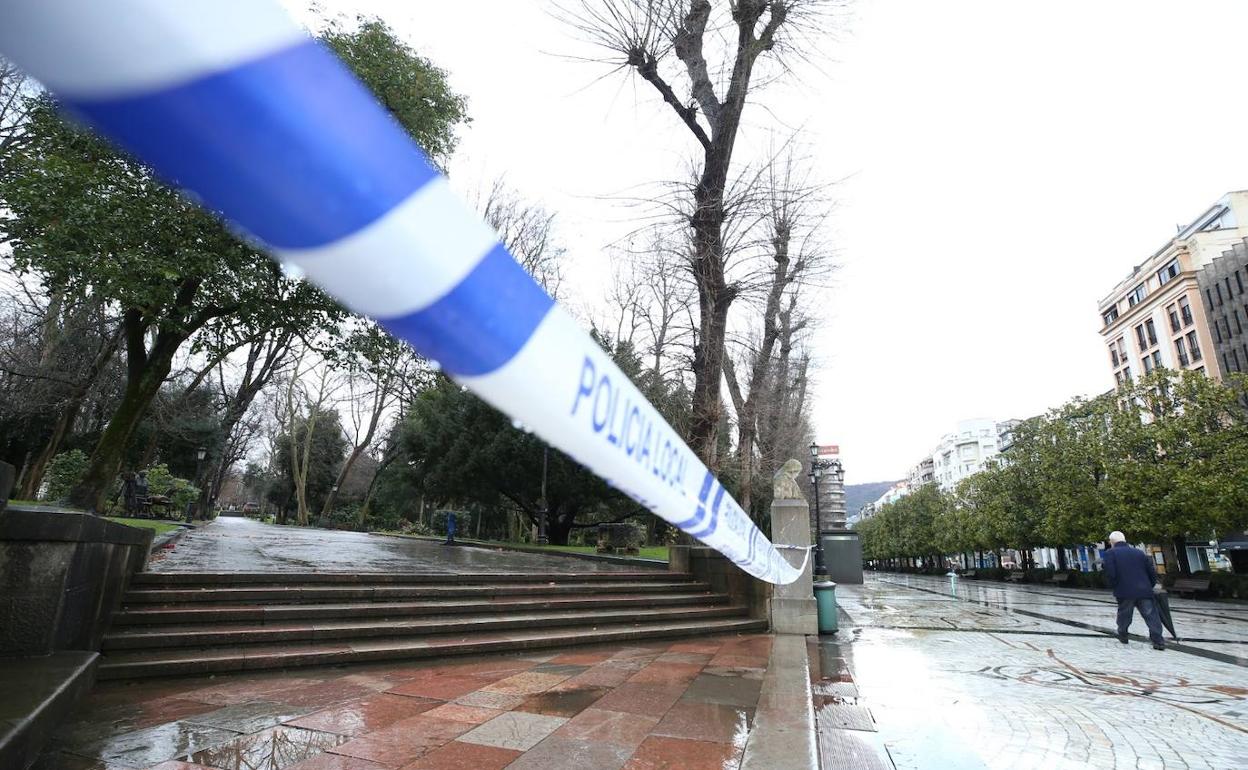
pixel 282 140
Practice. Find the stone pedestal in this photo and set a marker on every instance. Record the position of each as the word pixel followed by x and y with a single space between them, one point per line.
pixel 792 606
pixel 842 555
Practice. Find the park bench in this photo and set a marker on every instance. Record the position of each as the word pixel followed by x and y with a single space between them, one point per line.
pixel 151 502
pixel 970 573
pixel 1017 576
pixel 1059 578
pixel 1189 586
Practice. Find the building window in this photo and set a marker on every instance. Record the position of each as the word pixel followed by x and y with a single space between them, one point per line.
pixel 1173 312
pixel 1168 272
pixel 1185 311
pixel 1139 337
pixel 1148 363
pixel 1136 296
pixel 1235 358
pixel 1156 359
pixel 1217 332
pixel 1152 332
pixel 1193 346
pixel 1110 315
pixel 1239 282
pixel 1239 329
pixel 1218 288
pixel 1181 348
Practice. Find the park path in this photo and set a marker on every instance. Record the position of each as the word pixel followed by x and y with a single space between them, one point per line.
pixel 233 544
pixel 974 675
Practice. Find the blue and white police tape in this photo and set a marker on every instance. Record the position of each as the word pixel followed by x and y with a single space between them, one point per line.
pixel 232 102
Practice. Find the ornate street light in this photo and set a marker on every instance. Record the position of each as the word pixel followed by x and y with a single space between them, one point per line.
pixel 817 467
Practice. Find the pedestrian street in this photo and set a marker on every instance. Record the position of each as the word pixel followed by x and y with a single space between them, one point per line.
pixel 967 674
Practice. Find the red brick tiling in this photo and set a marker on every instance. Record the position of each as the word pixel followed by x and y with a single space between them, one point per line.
pixel 470 715
pixel 440 687
pixel 366 715
pixel 641 698
pixel 658 753
pixel 615 727
pixel 666 673
pixel 404 741
pixel 705 721
pixel 581 658
pixel 465 756
pixel 335 762
pixel 684 705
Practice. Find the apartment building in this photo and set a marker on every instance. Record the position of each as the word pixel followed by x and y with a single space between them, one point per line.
pixel 1222 285
pixel 1155 317
pixel 967 450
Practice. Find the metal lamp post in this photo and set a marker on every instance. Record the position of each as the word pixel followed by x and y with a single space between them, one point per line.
pixel 817 467
pixel 200 454
pixel 542 539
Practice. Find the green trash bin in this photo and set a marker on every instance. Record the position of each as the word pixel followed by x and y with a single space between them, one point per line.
pixel 825 600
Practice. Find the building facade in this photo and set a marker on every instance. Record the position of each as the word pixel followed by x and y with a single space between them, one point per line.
pixel 967 450
pixel 1222 285
pixel 1155 316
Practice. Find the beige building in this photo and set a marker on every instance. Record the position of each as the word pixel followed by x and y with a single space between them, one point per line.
pixel 1155 316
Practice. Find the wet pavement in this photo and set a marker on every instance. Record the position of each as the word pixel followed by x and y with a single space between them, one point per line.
pixel 233 544
pixel 675 704
pixel 985 675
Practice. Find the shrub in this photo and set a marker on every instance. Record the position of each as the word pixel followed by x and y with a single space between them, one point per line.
pixel 65 471
pixel 161 482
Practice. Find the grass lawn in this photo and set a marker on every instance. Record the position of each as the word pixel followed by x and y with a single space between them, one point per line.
pixel 159 526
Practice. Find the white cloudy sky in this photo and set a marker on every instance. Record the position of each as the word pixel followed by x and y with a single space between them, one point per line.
pixel 1003 165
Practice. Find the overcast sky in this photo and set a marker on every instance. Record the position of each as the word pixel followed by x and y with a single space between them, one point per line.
pixel 1002 166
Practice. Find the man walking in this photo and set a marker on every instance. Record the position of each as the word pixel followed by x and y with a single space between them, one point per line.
pixel 1132 575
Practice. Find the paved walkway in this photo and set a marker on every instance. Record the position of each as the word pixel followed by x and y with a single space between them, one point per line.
pixel 687 705
pixel 233 544
pixel 985 675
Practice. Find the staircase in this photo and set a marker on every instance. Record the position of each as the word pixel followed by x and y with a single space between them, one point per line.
pixel 194 623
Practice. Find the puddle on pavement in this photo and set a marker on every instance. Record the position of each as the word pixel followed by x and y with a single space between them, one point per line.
pixel 564 703
pixel 273 749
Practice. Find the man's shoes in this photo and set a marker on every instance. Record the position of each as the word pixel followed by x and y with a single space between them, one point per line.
pixel 1159 646
pixel 1122 638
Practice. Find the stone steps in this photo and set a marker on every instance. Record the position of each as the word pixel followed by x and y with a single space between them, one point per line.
pixel 233 613
pixel 217 579
pixel 151 663
pixel 369 593
pixel 249 633
pixel 193 623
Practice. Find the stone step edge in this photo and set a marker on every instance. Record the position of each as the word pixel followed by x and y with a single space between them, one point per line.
pixel 338 578
pixel 178 595
pixel 164 638
pixel 145 615
pixel 109 670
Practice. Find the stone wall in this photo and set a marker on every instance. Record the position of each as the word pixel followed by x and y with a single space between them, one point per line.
pixel 61 576
pixel 724 577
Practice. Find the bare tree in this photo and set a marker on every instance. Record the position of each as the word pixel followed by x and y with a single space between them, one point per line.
pixel 527 230
pixel 373 382
pixel 665 42
pixel 308 388
pixel 793 212
pixel 15 90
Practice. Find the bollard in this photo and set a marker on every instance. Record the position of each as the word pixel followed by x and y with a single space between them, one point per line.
pixel 825 600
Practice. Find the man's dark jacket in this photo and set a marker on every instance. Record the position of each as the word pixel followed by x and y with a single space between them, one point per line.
pixel 1130 571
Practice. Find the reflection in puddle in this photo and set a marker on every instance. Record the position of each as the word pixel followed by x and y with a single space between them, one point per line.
pixel 273 749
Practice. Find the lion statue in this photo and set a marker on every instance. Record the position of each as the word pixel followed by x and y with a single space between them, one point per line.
pixel 785 482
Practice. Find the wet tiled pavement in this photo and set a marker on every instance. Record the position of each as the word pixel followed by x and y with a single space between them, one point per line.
pixel 232 544
pixel 985 675
pixel 672 704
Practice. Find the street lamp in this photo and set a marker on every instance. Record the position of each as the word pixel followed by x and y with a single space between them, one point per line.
pixel 200 454
pixel 542 539
pixel 817 467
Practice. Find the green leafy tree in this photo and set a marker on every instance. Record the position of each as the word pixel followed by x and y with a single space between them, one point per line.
pixel 64 472
pixel 326 449
pixel 1178 449
pixel 92 222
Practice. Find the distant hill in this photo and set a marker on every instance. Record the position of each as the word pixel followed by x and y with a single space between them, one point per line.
pixel 858 495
